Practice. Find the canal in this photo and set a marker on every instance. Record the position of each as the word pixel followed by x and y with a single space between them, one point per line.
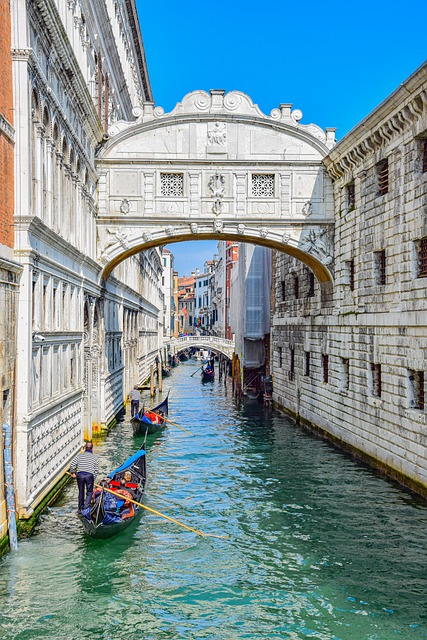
pixel 319 546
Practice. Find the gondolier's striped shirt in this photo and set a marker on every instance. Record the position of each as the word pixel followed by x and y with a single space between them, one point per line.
pixel 85 461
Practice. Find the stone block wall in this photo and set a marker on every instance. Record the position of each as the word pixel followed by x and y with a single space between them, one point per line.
pixel 359 364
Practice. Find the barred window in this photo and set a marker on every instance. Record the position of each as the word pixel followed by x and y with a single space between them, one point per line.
pixel 351 197
pixel 376 387
pixel 292 364
pixel 310 276
pixel 422 258
pixel 379 266
pixel 306 363
pixel 424 155
pixel 382 177
pixel 172 184
pixel 263 185
pixel 280 358
pixel 283 289
pixel 349 273
pixel 296 286
pixel 325 367
pixel 416 389
pixel 345 373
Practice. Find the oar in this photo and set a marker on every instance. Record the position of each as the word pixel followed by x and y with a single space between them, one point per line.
pixel 170 421
pixel 193 374
pixel 162 515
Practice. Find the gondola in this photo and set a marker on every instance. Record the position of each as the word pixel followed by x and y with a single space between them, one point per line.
pixel 166 371
pixel 146 421
pixel 183 356
pixel 109 514
pixel 208 374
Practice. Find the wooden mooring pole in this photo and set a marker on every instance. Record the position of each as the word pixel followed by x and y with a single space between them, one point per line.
pixel 152 383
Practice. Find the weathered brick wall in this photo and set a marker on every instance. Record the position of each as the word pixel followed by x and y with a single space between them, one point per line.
pixel 366 323
pixel 6 121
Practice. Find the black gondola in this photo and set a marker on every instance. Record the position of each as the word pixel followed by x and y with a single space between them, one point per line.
pixel 151 420
pixel 208 373
pixel 109 514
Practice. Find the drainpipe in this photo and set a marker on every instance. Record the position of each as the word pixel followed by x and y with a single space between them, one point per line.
pixel 10 491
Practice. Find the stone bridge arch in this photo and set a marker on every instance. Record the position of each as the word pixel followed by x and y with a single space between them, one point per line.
pixel 216 167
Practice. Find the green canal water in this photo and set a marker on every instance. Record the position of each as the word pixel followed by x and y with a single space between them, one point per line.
pixel 319 546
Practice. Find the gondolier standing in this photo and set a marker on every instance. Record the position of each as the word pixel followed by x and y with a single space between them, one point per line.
pixel 135 399
pixel 85 467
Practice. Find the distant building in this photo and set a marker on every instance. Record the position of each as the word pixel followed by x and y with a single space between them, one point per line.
pixel 250 311
pixel 167 288
pixel 186 304
pixel 203 297
pixel 219 292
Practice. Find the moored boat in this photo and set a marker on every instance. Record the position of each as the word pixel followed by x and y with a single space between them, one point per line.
pixel 151 420
pixel 109 514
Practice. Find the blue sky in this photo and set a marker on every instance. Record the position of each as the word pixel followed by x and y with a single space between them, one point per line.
pixel 335 61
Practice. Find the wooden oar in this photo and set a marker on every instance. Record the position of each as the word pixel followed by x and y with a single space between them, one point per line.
pixel 170 421
pixel 193 374
pixel 162 515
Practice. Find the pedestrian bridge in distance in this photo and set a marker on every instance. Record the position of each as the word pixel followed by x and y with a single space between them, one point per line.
pixel 212 343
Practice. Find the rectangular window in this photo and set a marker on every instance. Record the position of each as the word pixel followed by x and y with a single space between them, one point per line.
pixel 382 177
pixel 172 184
pixel 379 267
pixel 349 273
pixel 283 289
pixel 296 287
pixel 190 321
pixel 310 289
pixel 422 258
pixel 424 155
pixel 292 364
pixel 345 373
pixel 416 389
pixel 325 367
pixel 376 387
pixel 351 197
pixel 263 185
pixel 164 262
pixel 280 358
pixel 307 363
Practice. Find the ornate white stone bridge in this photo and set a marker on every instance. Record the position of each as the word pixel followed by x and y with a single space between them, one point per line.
pixel 213 343
pixel 216 167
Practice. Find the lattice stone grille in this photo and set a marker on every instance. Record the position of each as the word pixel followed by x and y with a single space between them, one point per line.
pixel 172 184
pixel 263 185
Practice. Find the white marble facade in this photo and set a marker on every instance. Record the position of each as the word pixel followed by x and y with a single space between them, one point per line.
pixel 78 67
pixel 353 363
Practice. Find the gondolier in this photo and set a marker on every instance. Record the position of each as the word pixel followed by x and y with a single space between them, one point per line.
pixel 85 467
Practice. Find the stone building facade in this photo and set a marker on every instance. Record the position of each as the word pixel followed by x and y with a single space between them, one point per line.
pixel 9 268
pixel 78 67
pixel 351 361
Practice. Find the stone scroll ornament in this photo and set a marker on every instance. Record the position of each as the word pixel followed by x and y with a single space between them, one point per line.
pixel 216 185
pixel 119 236
pixel 317 242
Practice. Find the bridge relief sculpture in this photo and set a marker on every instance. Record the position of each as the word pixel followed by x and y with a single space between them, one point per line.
pixel 216 166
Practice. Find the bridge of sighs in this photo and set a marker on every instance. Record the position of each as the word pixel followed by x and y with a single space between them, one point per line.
pixel 216 167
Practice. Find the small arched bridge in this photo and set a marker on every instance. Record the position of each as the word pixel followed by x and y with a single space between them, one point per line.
pixel 210 343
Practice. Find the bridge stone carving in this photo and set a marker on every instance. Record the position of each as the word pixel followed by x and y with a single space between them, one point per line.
pixel 216 167
pixel 213 343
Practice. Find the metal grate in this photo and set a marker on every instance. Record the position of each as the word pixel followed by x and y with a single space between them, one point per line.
pixel 382 176
pixel 325 366
pixel 351 274
pixel 422 258
pixel 292 362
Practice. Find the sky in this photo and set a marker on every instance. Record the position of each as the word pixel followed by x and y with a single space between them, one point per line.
pixel 335 61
